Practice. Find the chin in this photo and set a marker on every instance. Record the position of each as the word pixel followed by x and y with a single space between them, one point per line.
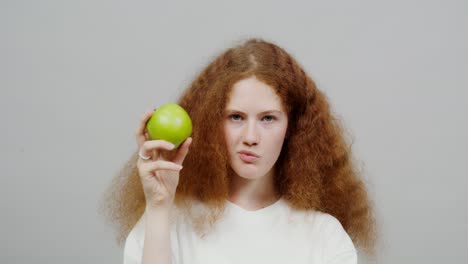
pixel 249 173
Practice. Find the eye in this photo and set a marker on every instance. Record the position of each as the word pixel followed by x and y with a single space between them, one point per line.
pixel 268 118
pixel 235 117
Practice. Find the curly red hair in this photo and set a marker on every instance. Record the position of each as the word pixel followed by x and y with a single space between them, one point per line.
pixel 315 170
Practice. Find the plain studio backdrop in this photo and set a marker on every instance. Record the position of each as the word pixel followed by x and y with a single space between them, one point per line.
pixel 77 75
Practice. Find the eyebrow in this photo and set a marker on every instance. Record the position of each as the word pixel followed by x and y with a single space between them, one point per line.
pixel 272 111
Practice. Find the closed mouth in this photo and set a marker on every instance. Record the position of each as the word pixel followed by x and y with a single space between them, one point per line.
pixel 248 156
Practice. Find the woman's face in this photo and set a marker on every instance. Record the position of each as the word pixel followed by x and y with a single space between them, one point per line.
pixel 255 126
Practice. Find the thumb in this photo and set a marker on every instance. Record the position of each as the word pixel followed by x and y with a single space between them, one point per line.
pixel 182 151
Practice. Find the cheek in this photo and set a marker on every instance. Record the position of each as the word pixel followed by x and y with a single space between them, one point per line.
pixel 229 136
pixel 277 140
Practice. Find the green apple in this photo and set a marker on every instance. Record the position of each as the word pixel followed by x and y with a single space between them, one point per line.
pixel 170 122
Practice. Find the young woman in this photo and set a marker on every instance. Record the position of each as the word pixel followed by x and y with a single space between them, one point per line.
pixel 267 176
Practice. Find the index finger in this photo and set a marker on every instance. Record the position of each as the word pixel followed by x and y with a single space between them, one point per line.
pixel 140 132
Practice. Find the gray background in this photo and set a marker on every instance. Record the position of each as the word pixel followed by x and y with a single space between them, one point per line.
pixel 77 75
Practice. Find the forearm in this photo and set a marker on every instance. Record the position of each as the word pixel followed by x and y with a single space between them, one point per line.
pixel 157 246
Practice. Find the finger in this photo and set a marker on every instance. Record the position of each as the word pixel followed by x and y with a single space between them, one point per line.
pixel 163 165
pixel 140 133
pixel 156 154
pixel 182 152
pixel 143 120
pixel 155 145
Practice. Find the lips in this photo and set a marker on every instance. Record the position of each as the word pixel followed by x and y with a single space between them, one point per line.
pixel 248 156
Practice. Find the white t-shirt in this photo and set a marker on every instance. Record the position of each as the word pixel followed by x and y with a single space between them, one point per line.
pixel 274 234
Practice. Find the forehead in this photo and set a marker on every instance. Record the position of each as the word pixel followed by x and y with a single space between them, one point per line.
pixel 252 93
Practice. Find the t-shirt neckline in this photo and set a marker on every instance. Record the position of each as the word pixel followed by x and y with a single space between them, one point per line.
pixel 254 212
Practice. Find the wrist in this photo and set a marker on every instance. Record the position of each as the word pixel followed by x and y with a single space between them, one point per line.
pixel 158 210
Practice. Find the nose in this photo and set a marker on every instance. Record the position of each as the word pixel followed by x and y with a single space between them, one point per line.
pixel 251 135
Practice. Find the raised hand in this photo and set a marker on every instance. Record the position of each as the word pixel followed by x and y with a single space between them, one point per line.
pixel 159 174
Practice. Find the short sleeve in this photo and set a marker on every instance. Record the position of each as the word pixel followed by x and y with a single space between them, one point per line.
pixel 338 247
pixel 133 249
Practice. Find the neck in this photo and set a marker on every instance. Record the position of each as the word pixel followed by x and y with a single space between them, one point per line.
pixel 253 194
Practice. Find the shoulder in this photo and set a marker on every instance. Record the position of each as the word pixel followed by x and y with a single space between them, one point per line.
pixel 134 242
pixel 312 218
pixel 338 246
pixel 326 230
pixel 327 225
pixel 328 222
pixel 179 218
